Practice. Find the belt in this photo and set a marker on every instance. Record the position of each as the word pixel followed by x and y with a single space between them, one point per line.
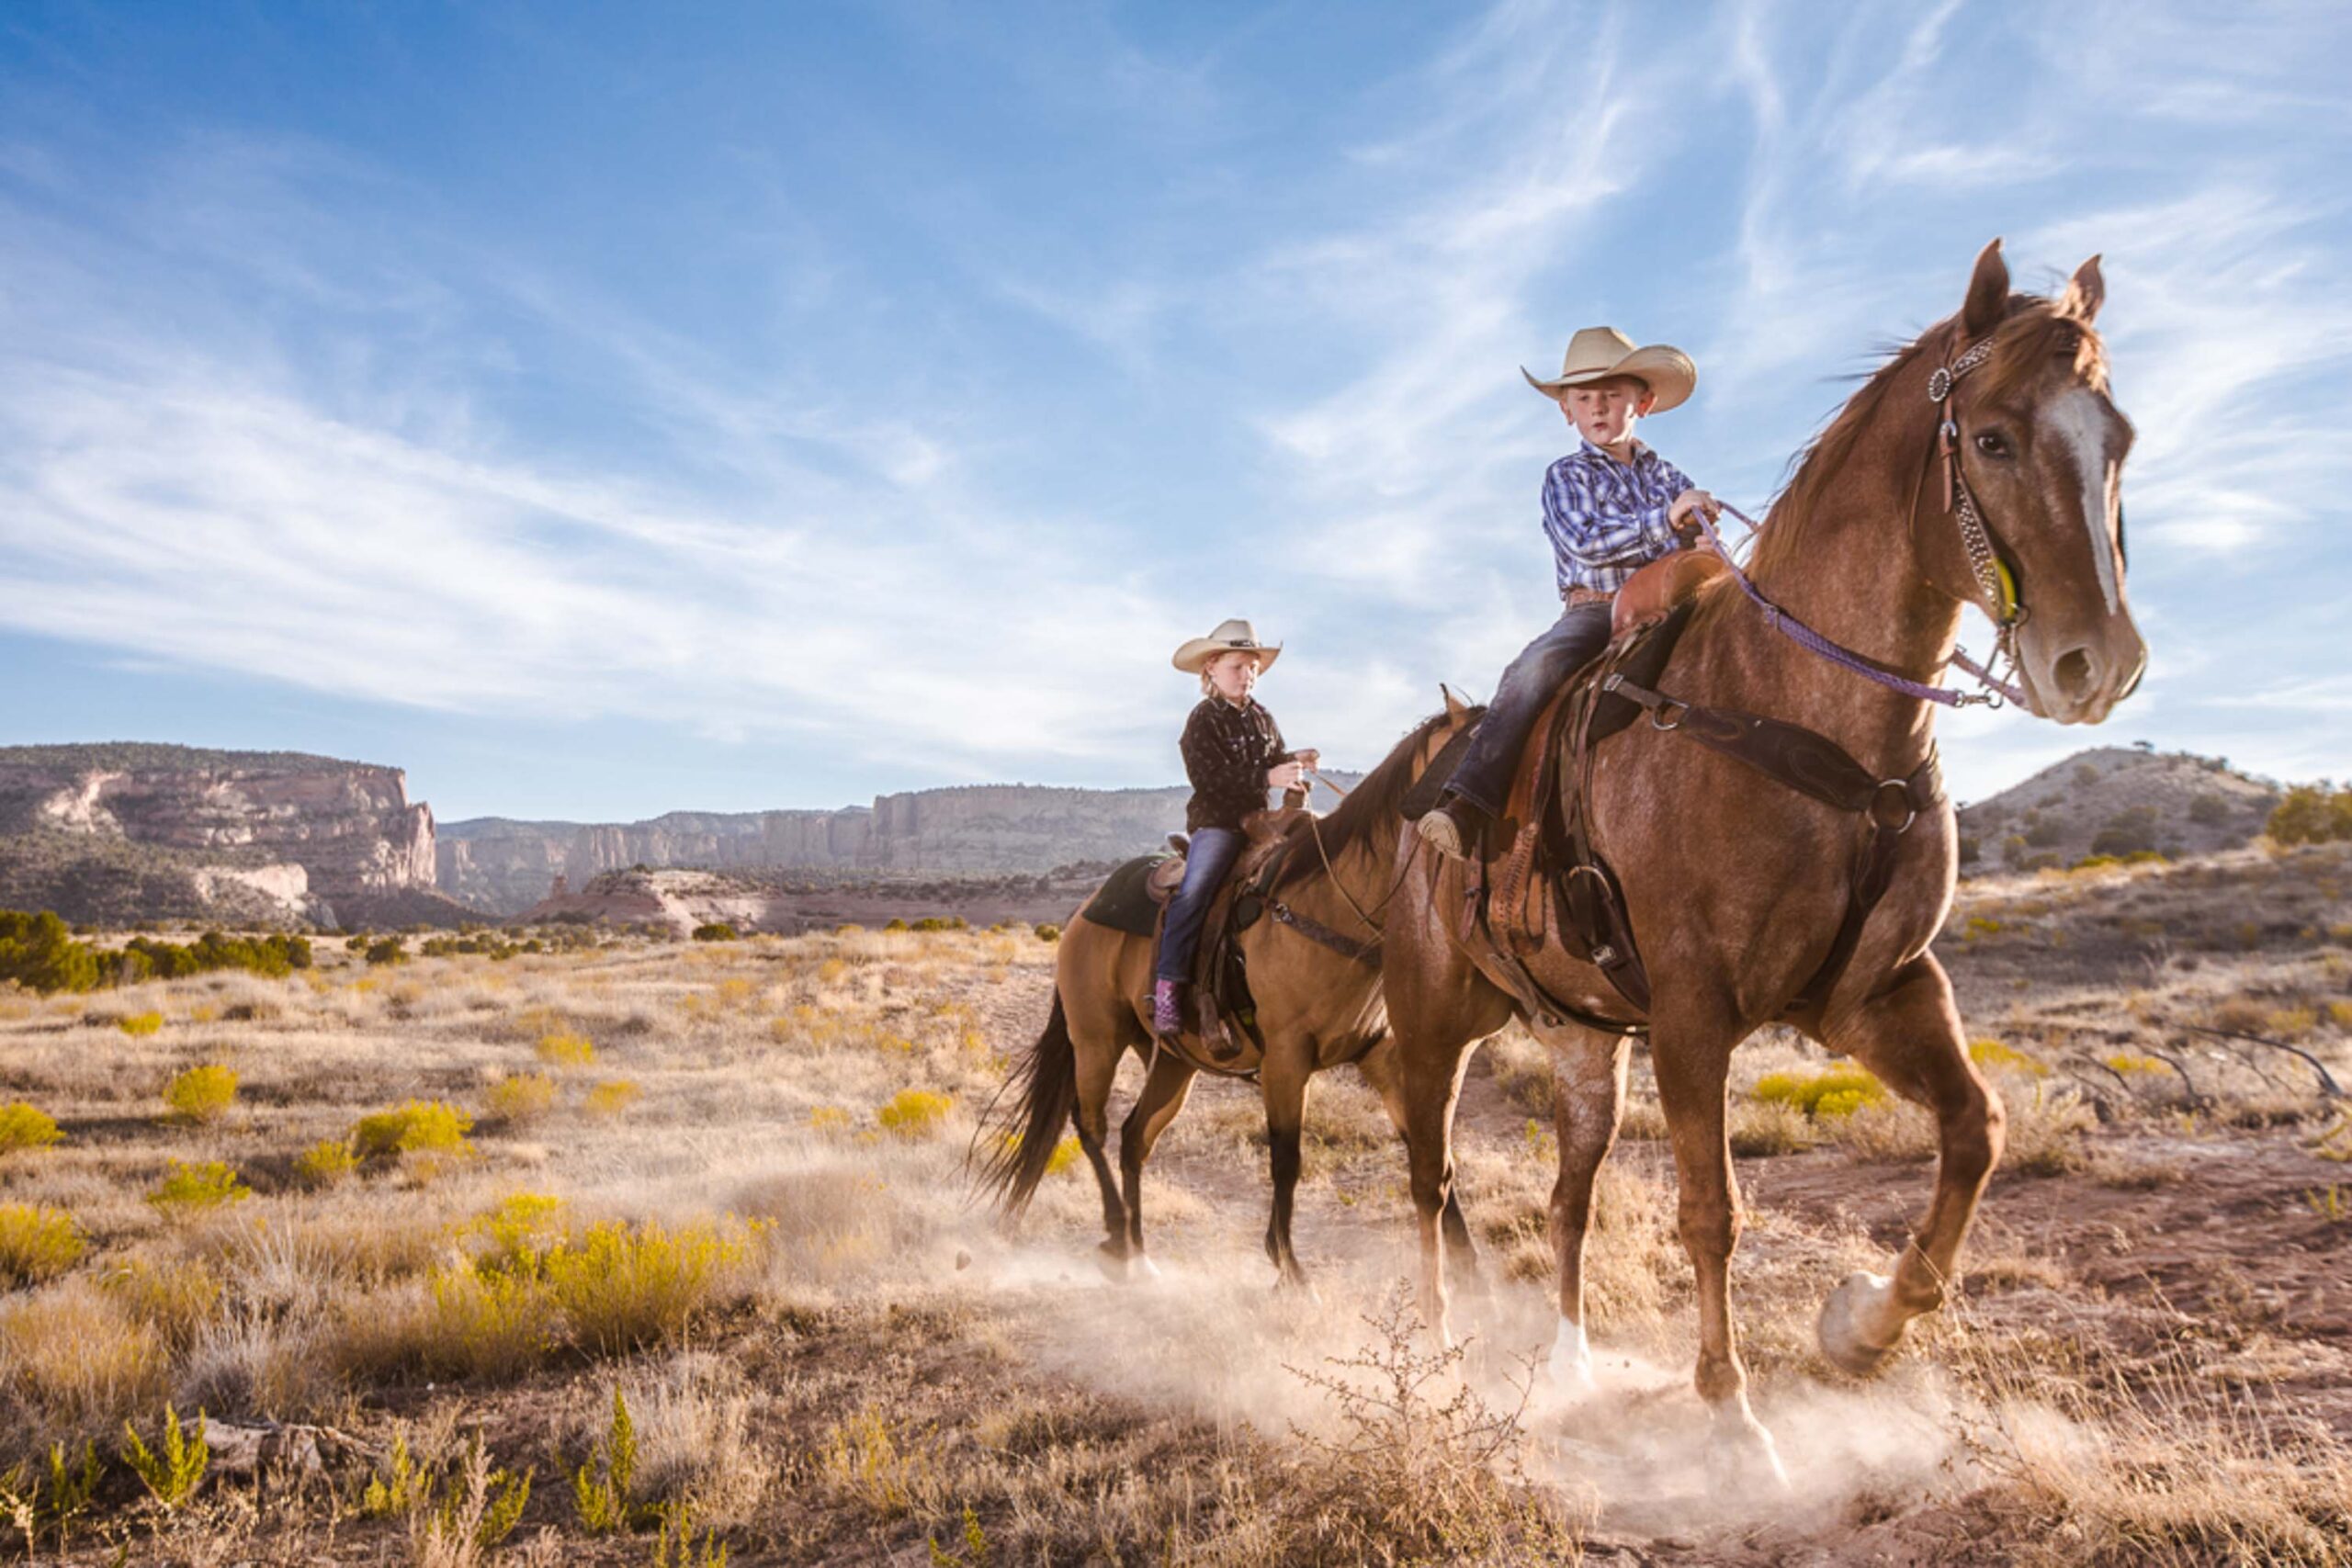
pixel 1575 596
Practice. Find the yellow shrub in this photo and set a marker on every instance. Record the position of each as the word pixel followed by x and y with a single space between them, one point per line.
pixel 1833 1092
pixel 206 1185
pixel 914 1113
pixel 830 1119
pixel 23 1127
pixel 1993 1056
pixel 2338 1013
pixel 513 1235
pixel 140 1023
pixel 419 1126
pixel 622 1288
pixel 613 1097
pixel 489 1325
pixel 526 1097
pixel 2126 1063
pixel 566 1049
pixel 325 1163
pixel 201 1094
pixel 2293 1023
pixel 36 1243
pixel 1065 1155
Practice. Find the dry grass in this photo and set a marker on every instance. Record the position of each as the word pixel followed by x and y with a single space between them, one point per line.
pixel 830 1356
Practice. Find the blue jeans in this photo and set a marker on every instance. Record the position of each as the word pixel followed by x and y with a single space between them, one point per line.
pixel 1212 855
pixel 1484 777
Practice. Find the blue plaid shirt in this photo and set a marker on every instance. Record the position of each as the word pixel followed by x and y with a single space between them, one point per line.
pixel 1605 518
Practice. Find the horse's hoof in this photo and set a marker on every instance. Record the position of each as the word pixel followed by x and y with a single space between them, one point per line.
pixel 1569 1366
pixel 1861 1298
pixel 1110 1257
pixel 1744 1457
pixel 1142 1269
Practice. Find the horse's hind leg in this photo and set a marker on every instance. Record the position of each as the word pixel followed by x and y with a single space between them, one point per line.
pixel 1098 1067
pixel 1164 1089
pixel 1909 1034
pixel 1587 1096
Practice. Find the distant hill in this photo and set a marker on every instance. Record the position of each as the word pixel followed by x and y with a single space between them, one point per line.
pixel 2115 800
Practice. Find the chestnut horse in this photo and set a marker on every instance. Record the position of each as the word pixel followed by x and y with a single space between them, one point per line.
pixel 1735 886
pixel 1314 965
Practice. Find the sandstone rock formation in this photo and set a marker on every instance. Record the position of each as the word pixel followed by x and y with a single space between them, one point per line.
pixel 506 866
pixel 322 837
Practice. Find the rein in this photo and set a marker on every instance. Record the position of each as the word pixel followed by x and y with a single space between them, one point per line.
pixel 1997 587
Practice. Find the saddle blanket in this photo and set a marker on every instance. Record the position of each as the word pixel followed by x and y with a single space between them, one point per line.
pixel 1122 903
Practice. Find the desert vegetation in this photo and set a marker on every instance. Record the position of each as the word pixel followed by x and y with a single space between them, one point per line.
pixel 646 1250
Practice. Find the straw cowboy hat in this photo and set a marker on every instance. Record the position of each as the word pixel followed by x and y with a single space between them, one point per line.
pixel 1231 636
pixel 1597 353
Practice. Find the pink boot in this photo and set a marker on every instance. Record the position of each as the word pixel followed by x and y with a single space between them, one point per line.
pixel 1167 1008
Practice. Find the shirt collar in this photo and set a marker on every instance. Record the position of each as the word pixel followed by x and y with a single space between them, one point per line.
pixel 1641 450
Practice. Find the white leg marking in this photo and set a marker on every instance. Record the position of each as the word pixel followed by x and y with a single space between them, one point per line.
pixel 2078 422
pixel 1570 1364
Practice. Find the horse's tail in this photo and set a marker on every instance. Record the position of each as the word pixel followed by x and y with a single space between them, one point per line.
pixel 1045 1087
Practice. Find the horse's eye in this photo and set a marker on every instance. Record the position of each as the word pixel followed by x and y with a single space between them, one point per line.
pixel 1991 444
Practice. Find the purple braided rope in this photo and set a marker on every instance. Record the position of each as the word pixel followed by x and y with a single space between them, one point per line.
pixel 1805 636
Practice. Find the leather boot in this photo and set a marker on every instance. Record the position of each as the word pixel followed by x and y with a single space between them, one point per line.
pixel 1168 1009
pixel 1452 828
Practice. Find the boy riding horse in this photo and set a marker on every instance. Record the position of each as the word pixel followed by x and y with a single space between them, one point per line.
pixel 1610 508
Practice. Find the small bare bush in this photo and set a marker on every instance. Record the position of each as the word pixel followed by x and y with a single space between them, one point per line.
pixel 1421 1469
pixel 522 1098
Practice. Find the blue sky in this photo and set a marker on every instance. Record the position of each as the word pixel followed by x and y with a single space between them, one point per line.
pixel 600 410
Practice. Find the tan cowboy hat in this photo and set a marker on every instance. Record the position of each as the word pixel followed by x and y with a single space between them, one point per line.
pixel 1231 636
pixel 1597 352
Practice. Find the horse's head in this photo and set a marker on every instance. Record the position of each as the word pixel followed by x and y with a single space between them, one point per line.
pixel 2041 449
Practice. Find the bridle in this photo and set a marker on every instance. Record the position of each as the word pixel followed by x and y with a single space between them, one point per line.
pixel 1995 584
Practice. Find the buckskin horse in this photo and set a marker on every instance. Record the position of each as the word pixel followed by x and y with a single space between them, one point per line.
pixel 1981 464
pixel 1313 959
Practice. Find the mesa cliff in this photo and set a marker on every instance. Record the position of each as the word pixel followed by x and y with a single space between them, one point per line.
pixel 286 834
pixel 505 866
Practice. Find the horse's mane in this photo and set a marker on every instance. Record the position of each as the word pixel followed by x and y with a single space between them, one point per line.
pixel 2032 333
pixel 1372 808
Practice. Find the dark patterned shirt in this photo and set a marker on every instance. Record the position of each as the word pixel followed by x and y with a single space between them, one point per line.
pixel 1227 752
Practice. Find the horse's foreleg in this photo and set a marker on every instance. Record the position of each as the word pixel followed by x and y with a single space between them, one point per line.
pixel 1379 1069
pixel 1283 1079
pixel 1691 1056
pixel 1164 1089
pixel 1587 1096
pixel 1909 1034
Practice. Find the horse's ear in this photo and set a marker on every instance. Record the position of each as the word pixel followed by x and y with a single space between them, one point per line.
pixel 2086 292
pixel 1454 707
pixel 1988 293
